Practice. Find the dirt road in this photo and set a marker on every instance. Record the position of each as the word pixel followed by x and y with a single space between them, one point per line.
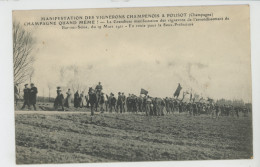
pixel 75 136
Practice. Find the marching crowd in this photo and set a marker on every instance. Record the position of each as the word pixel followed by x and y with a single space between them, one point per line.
pixel 97 100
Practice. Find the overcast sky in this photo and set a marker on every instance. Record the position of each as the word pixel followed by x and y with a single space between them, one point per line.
pixel 212 59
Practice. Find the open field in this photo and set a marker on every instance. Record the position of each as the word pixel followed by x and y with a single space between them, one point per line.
pixel 69 137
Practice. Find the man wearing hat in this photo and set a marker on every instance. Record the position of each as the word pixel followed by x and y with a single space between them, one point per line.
pixel 99 88
pixel 112 102
pixel 76 99
pixel 26 97
pixel 33 95
pixel 59 99
pixel 56 99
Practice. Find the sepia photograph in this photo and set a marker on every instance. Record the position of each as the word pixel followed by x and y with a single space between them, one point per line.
pixel 132 84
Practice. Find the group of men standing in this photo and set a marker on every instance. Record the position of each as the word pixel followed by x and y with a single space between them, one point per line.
pixel 117 104
pixel 95 99
pixel 29 96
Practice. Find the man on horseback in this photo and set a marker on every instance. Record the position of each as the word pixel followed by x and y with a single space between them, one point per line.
pixel 98 91
pixel 99 88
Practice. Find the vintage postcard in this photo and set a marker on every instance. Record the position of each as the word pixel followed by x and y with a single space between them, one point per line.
pixel 132 84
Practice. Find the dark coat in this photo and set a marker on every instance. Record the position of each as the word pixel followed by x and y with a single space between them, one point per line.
pixel 102 99
pixel 33 95
pixel 120 100
pixel 26 95
pixel 92 98
pixel 99 87
pixel 60 98
pixel 76 99
pixel 113 101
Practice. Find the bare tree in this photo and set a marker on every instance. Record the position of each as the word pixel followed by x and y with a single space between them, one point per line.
pixel 31 73
pixel 49 88
pixel 71 77
pixel 23 44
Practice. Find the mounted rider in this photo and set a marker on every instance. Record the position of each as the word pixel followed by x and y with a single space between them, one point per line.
pixel 99 88
pixel 98 91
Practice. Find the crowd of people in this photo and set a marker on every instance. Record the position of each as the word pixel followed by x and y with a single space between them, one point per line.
pixel 96 100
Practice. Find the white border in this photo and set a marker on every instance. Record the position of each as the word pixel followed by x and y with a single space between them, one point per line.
pixel 7 143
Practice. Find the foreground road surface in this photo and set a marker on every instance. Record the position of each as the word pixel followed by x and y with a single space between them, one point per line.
pixel 75 136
